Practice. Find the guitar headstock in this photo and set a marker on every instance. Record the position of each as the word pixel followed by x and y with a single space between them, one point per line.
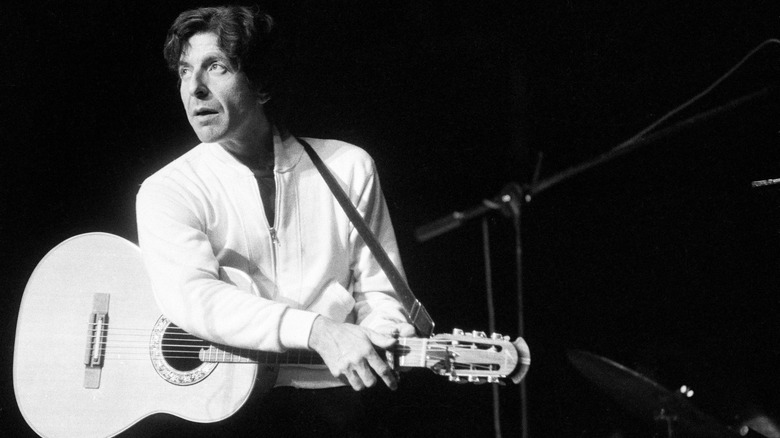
pixel 474 357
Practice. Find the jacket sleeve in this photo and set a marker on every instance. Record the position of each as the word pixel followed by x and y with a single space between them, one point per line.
pixel 185 276
pixel 376 302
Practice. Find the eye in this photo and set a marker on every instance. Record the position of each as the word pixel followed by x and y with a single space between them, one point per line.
pixel 184 71
pixel 218 68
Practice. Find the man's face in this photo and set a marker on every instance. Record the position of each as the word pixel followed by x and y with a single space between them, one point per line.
pixel 220 104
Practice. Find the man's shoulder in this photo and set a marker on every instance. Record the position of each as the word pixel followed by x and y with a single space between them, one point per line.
pixel 187 163
pixel 332 150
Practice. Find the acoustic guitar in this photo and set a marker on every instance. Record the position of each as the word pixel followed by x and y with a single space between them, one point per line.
pixel 93 355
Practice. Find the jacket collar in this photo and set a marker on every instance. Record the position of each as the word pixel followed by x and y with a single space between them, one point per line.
pixel 287 153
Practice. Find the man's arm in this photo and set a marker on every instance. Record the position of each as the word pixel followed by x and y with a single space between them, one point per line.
pixel 350 350
pixel 376 302
pixel 188 289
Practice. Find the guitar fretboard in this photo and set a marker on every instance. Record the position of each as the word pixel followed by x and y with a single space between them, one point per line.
pixel 290 357
pixel 410 352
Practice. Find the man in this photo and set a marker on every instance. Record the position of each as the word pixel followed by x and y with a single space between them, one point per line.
pixel 248 197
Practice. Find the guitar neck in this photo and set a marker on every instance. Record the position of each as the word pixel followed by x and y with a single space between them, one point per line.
pixel 409 352
pixel 462 357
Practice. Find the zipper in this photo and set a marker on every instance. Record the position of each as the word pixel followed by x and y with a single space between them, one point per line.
pixel 277 206
pixel 274 237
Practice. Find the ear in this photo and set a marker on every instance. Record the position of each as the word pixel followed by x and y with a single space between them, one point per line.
pixel 263 97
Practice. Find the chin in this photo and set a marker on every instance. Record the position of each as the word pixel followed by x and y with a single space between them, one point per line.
pixel 208 135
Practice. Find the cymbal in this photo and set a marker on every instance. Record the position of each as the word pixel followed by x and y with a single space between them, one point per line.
pixel 647 399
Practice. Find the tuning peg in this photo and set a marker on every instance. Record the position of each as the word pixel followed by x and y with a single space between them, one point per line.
pixel 477 380
pixel 496 337
pixel 457 379
pixel 495 379
pixel 478 334
pixel 457 332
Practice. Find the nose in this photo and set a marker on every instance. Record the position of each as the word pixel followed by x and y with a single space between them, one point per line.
pixel 197 87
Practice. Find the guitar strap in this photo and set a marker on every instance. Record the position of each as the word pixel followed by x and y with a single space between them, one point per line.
pixel 417 314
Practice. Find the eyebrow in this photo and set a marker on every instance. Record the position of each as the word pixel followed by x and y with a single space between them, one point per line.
pixel 208 60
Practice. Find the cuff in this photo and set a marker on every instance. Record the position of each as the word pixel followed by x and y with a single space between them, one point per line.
pixel 295 328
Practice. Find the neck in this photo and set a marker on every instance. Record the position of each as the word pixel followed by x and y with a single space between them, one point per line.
pixel 256 145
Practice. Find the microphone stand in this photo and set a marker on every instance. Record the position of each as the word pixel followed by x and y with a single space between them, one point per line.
pixel 511 199
pixel 456 219
pixel 632 146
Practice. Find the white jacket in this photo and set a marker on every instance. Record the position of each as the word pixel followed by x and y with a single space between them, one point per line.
pixel 204 211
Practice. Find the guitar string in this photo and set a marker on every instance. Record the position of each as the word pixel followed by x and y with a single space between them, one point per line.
pixel 178 331
pixel 281 360
pixel 487 342
pixel 268 358
pixel 187 344
pixel 193 346
pixel 132 335
pixel 233 358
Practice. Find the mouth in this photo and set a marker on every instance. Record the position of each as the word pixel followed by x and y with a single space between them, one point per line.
pixel 204 112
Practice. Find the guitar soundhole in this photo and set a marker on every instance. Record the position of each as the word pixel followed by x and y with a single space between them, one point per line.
pixel 180 349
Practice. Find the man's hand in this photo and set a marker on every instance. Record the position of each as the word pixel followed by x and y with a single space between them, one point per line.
pixel 401 329
pixel 348 350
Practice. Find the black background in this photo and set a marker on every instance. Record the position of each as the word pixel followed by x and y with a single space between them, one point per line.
pixel 665 260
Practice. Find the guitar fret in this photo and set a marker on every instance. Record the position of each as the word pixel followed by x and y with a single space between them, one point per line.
pixel 423 351
pixel 401 359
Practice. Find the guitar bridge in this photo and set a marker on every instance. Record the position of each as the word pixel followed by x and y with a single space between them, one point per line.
pixel 97 329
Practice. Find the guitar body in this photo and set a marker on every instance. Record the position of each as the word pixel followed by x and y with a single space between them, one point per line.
pixel 49 370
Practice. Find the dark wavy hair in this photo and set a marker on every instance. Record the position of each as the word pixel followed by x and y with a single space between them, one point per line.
pixel 247 36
